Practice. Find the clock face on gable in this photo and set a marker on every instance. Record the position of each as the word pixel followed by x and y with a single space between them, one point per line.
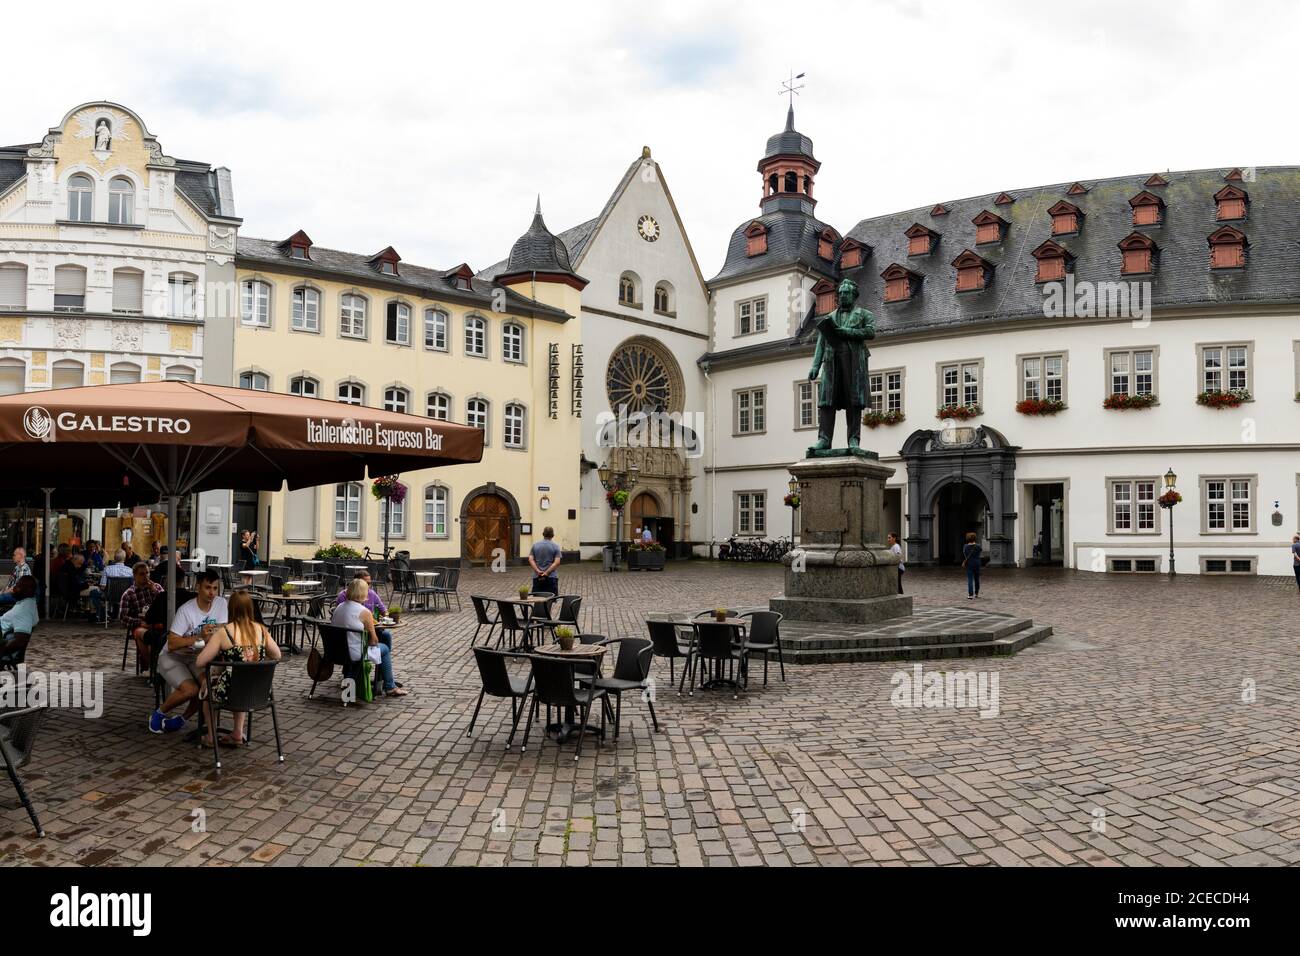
pixel 647 228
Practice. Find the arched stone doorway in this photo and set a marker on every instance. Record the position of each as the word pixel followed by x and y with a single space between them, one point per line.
pixel 489 519
pixel 959 507
pixel 644 512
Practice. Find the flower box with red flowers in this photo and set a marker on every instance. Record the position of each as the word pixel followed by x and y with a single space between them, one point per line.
pixel 958 412
pixel 1220 399
pixel 1169 499
pixel 874 419
pixel 1040 406
pixel 1122 400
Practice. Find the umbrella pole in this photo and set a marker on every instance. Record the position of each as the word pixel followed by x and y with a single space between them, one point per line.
pixel 171 558
pixel 45 549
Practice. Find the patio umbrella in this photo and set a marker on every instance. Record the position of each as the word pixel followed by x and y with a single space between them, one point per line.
pixel 181 437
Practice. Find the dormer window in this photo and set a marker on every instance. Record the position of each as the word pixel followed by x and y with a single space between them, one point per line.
pixel 989 227
pixel 1066 217
pixel 826 244
pixel 1155 180
pixel 1004 199
pixel 825 293
pixel 298 245
pixel 755 239
pixel 1139 254
pixel 1148 209
pixel 1231 203
pixel 851 253
pixel 1078 189
pixel 1054 261
pixel 1227 248
pixel 939 210
pixel 973 272
pixel 461 277
pixel 900 283
pixel 920 240
pixel 386 262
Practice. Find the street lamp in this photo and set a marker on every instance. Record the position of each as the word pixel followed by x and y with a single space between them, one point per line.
pixel 1170 498
pixel 793 486
pixel 612 481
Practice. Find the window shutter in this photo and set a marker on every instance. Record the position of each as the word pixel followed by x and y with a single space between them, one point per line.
pixel 69 281
pixel 13 377
pixel 13 287
pixel 300 515
pixel 128 291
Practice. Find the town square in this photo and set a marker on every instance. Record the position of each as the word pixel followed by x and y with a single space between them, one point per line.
pixel 662 438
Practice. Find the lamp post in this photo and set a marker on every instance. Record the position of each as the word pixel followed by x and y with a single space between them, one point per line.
pixel 613 481
pixel 793 487
pixel 1168 500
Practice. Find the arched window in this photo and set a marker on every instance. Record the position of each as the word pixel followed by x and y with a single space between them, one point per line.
pixel 773 183
pixel 664 298
pixel 347 510
pixel 81 198
pixel 352 316
pixel 304 385
pixel 435 329
pixel 791 182
pixel 123 373
pixel 69 289
pixel 255 303
pixel 435 511
pixel 352 393
pixel 512 342
pixel 438 405
pixel 181 295
pixel 306 309
pixel 68 373
pixel 254 380
pixel 476 415
pixel 396 399
pixel 179 373
pixel 13 287
pixel 13 376
pixel 629 290
pixel 128 291
pixel 514 422
pixel 476 336
pixel 121 201
pixel 398 328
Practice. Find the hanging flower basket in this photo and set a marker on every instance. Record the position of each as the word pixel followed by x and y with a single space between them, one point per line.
pixel 1220 399
pixel 1121 401
pixel 792 501
pixel 388 487
pixel 958 412
pixel 1040 406
pixel 874 419
pixel 1169 499
pixel 616 498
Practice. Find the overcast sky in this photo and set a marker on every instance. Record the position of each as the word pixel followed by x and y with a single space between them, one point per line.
pixel 432 127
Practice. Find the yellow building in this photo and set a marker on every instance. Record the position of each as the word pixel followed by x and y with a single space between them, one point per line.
pixel 376 331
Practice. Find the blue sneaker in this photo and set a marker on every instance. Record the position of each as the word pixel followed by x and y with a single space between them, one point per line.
pixel 156 722
pixel 173 723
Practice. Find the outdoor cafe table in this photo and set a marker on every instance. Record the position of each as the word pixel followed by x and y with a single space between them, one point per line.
pixel 689 620
pixel 304 585
pixel 310 566
pixel 579 652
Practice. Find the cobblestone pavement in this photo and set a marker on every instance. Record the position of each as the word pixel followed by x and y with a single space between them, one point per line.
pixel 1129 737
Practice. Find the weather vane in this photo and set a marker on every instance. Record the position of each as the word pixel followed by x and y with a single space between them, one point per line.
pixel 789 87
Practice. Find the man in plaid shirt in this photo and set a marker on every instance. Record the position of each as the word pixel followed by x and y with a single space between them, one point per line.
pixel 135 605
pixel 21 570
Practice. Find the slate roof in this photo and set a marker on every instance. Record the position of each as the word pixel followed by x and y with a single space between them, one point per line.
pixel 792 236
pixel 419 280
pixel 538 250
pixel 789 141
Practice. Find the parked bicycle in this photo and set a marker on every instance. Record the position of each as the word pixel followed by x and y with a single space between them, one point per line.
pixel 374 556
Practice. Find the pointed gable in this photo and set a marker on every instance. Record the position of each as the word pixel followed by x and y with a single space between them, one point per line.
pixel 1155 180
pixel 755 239
pixel 973 271
pixel 901 283
pixel 1231 203
pixel 1067 218
pixel 989 227
pixel 297 246
pixel 1054 261
pixel 1148 209
pixel 939 210
pixel 1004 199
pixel 921 241
pixel 1078 189
pixel 461 277
pixel 385 261
pixel 1233 175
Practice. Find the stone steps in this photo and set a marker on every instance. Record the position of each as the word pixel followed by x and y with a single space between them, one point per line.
pixel 930 634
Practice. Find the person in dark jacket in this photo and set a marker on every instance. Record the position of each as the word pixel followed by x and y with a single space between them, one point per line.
pixel 971 553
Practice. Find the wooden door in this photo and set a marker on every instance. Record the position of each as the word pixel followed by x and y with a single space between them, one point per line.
pixel 644 506
pixel 487 527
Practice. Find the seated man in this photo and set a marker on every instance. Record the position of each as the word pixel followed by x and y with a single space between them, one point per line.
pixel 60 558
pixel 21 570
pixel 94 558
pixel 21 619
pixel 135 607
pixel 195 623
pixel 74 586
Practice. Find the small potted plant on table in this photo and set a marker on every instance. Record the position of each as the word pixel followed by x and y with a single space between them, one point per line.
pixel 565 637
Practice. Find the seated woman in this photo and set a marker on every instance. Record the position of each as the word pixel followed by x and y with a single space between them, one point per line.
pixel 242 638
pixel 356 619
pixel 19 619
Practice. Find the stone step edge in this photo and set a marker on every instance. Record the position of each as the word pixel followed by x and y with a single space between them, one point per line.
pixel 997 648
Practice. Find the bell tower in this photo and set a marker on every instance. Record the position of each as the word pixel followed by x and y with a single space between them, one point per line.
pixel 788 169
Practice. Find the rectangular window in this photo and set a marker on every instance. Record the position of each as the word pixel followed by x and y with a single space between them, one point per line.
pixel 1217 565
pixel 347 510
pixel 514 434
pixel 1229 504
pixel 306 310
pixel 512 342
pixel 1135 565
pixel 959 384
pixel 1042 377
pixel 255 304
pixel 300 515
pixel 396 517
pixel 751 411
pixel 352 316
pixel 1225 367
pixel 398 329
pixel 805 404
pixel 69 289
pixel 751 316
pixel 476 337
pixel 1133 506
pixel 435 512
pixel 128 292
pixel 751 512
pixel 181 297
pixel 885 391
pixel 1131 372
pixel 13 287
pixel 435 330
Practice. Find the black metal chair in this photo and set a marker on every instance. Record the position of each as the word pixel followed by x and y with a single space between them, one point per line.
pixel 334 650
pixel 483 616
pixel 300 624
pixel 764 637
pixel 248 690
pixel 512 625
pixel 378 574
pixel 13 651
pixel 556 684
pixel 570 606
pixel 719 643
pixel 112 598
pixel 499 682
pixel 666 637
pixel 631 671
pixel 447 587
pixel 273 615
pixel 18 730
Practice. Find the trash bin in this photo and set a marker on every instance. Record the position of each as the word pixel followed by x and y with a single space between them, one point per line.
pixel 607 556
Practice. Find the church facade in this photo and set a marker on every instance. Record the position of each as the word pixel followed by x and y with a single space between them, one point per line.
pixel 1047 362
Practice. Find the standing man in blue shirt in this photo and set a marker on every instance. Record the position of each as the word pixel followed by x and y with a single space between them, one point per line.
pixel 1295 557
pixel 544 558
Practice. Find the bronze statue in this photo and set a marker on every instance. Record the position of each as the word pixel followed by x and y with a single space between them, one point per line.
pixel 841 360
